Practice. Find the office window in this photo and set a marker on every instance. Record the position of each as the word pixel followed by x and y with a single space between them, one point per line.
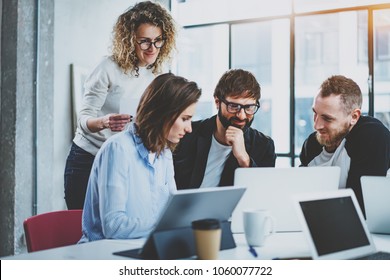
pixel 263 48
pixel 382 65
pixel 334 41
pixel 316 49
pixel 193 12
pixel 203 57
pixel 326 45
pixel 302 6
pixel 362 38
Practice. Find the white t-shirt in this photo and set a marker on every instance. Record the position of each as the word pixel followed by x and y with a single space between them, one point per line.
pixel 339 158
pixel 218 155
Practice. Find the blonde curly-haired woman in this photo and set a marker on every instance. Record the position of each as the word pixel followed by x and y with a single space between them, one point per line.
pixel 144 38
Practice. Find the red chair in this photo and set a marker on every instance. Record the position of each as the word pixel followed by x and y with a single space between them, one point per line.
pixel 53 229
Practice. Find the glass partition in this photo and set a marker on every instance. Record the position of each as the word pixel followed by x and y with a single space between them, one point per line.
pixel 382 65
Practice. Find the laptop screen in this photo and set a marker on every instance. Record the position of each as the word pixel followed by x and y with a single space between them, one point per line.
pixel 376 193
pixel 334 224
pixel 273 188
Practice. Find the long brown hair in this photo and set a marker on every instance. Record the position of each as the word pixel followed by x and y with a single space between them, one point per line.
pixel 161 104
pixel 124 35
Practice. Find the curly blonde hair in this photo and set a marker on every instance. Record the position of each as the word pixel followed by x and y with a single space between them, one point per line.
pixel 124 35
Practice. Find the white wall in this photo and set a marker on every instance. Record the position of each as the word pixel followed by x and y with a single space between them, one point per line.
pixel 82 36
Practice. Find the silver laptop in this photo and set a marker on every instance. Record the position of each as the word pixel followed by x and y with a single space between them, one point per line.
pixel 272 188
pixel 189 205
pixel 376 193
pixel 334 226
pixel 172 237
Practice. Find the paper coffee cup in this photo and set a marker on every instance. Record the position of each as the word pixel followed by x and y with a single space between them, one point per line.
pixel 207 234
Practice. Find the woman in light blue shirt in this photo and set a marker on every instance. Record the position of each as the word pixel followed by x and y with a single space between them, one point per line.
pixel 132 175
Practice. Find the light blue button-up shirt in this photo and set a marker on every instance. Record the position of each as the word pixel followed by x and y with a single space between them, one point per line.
pixel 126 193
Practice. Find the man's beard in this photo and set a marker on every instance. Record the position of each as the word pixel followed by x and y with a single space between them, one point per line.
pixel 230 122
pixel 333 139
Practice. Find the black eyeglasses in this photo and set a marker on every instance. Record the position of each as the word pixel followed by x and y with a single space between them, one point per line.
pixel 235 108
pixel 146 44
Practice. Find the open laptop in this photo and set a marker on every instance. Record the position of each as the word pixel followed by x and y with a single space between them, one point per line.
pixel 272 189
pixel 376 193
pixel 172 238
pixel 334 226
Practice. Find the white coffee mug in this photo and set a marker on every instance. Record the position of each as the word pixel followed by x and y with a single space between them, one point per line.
pixel 258 224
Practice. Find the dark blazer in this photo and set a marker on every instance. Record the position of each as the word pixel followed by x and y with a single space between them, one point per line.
pixel 190 157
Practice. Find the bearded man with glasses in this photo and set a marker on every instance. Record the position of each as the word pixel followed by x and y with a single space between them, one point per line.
pixel 209 155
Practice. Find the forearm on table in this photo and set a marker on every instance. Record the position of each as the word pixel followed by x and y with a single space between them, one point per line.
pixel 120 226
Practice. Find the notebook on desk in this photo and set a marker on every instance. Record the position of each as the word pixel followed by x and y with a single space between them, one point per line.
pixel 172 238
pixel 272 189
pixel 334 226
pixel 376 193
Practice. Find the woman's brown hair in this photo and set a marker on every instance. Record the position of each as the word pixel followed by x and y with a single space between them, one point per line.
pixel 161 104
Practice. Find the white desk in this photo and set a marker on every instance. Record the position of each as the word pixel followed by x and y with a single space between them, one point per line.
pixel 279 245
